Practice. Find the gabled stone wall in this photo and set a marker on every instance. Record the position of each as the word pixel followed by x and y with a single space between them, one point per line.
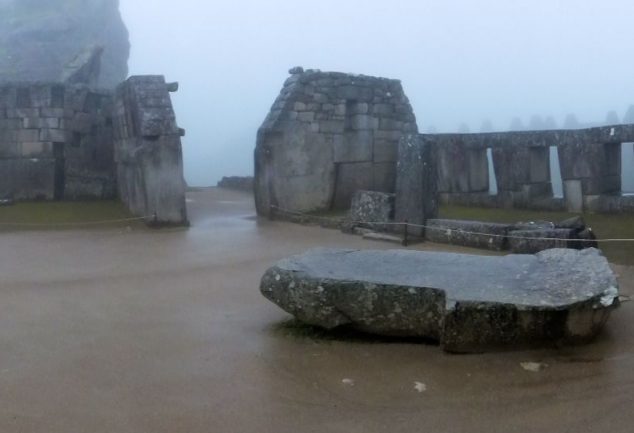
pixel 327 136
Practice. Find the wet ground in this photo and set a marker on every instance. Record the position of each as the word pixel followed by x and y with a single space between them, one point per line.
pixel 113 330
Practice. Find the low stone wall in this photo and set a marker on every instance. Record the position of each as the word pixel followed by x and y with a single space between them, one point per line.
pixel 148 151
pixel 590 162
pixel 519 238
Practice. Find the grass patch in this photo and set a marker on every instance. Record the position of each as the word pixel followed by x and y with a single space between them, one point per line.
pixel 605 226
pixel 43 214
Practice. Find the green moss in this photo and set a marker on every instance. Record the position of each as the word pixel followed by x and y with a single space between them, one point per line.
pixel 605 226
pixel 52 213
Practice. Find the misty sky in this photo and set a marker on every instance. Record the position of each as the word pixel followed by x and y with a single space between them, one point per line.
pixel 460 61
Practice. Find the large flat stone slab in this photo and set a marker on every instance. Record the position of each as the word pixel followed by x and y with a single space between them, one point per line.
pixel 468 303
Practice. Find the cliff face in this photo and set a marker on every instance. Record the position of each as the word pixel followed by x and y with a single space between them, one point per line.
pixel 38 38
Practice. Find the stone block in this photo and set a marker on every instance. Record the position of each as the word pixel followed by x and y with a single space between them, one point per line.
pixel 353 147
pixel 355 93
pixel 474 234
pixel 28 135
pixel 9 149
pixel 416 182
pixel 385 151
pixel 538 191
pixel 332 126
pixel 370 208
pixel 55 112
pixel 358 108
pixel 601 185
pixel 478 165
pixel 17 113
pixel 37 149
pixel 383 109
pixel 54 135
pixel 364 122
pixel 306 116
pixel 467 303
pixel 390 124
pixel 539 164
pixel 573 194
pixel 40 122
pixel 534 241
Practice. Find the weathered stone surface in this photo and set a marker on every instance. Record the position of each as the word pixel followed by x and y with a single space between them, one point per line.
pixel 69 127
pixel 38 38
pixel 467 303
pixel 475 234
pixel 533 241
pixel 371 207
pixel 149 152
pixel 416 183
pixel 321 141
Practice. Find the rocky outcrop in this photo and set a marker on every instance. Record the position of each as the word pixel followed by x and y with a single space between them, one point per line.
pixel 40 38
pixel 467 303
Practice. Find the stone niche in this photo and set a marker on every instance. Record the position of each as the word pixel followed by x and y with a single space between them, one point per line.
pixel 329 135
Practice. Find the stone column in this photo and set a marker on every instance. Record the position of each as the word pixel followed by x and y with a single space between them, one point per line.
pixel 416 182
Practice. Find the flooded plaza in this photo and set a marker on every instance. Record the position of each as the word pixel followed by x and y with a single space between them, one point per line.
pixel 136 330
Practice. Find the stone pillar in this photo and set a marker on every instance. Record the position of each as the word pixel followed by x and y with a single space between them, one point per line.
pixel 416 182
pixel 148 151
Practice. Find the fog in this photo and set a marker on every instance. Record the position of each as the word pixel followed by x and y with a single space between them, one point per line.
pixel 463 63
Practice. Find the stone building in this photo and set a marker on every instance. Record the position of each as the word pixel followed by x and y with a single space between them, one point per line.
pixel 328 135
pixel 61 141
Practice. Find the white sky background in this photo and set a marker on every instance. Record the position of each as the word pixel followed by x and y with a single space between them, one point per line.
pixel 459 60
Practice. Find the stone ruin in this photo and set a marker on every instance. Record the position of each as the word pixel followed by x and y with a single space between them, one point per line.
pixel 590 161
pixel 327 136
pixel 330 135
pixel 63 141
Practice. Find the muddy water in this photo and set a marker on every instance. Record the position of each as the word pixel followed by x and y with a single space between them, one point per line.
pixel 140 331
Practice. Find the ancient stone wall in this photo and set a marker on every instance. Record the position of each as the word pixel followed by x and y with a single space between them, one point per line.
pixel 148 150
pixel 55 142
pixel 590 161
pixel 327 136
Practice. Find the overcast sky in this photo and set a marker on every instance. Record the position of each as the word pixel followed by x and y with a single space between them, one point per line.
pixel 459 60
